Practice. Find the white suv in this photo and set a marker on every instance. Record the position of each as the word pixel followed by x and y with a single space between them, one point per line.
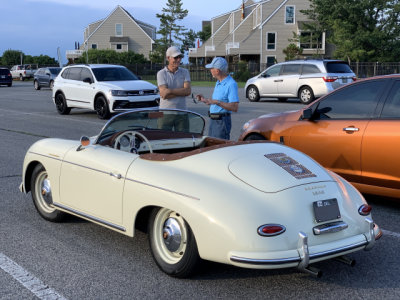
pixel 103 88
pixel 304 79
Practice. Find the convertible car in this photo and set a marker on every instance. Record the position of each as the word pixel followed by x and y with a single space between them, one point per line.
pixel 252 204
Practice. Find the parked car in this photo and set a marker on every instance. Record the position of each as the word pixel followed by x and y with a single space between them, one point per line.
pixel 5 77
pixel 23 72
pixel 103 88
pixel 303 79
pixel 252 204
pixel 353 131
pixel 45 77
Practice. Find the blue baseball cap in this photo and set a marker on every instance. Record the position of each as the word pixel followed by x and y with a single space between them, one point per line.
pixel 218 63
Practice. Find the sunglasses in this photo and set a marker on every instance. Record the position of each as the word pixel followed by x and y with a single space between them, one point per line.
pixel 177 57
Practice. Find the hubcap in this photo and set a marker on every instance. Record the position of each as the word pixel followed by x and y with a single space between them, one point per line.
pixel 172 235
pixel 43 193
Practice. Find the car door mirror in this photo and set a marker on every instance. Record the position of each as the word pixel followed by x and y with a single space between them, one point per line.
pixel 307 114
pixel 85 141
pixel 88 80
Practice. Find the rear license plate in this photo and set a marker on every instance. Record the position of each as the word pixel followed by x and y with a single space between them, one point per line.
pixel 3 76
pixel 325 210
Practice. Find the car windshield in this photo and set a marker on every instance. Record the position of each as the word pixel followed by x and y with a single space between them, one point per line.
pixel 338 67
pixel 174 123
pixel 113 74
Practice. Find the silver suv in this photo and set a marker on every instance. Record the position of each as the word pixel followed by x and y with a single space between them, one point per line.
pixel 103 88
pixel 304 79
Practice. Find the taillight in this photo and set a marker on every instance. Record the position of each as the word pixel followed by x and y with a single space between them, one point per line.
pixel 271 229
pixel 354 78
pixel 365 210
pixel 330 78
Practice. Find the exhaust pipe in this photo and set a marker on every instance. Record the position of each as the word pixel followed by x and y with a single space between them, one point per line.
pixel 313 271
pixel 346 260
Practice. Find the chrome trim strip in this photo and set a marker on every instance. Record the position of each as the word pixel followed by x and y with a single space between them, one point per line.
pixel 89 217
pixel 48 156
pixel 254 261
pixel 163 189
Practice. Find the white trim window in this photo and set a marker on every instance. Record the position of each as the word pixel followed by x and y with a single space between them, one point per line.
pixel 270 60
pixel 271 41
pixel 93 46
pixel 118 29
pixel 290 11
pixel 257 16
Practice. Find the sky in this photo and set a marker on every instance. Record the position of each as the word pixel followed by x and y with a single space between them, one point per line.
pixel 42 26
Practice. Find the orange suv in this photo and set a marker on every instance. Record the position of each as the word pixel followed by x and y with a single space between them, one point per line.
pixel 353 131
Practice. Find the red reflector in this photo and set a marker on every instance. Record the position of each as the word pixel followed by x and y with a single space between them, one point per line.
pixel 365 210
pixel 271 229
pixel 329 78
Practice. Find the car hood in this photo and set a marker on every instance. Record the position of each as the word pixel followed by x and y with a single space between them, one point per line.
pixel 128 85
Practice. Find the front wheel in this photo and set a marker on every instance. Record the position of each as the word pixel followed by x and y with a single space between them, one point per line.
pixel 36 85
pixel 306 95
pixel 61 105
pixel 42 195
pixel 101 108
pixel 252 94
pixel 172 243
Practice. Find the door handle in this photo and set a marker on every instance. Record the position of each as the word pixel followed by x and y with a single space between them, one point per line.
pixel 351 129
pixel 278 80
pixel 118 176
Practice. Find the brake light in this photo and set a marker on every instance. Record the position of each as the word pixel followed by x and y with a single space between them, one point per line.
pixel 354 78
pixel 365 210
pixel 330 78
pixel 271 229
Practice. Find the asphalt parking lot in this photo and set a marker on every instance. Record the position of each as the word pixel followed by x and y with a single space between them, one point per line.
pixel 80 260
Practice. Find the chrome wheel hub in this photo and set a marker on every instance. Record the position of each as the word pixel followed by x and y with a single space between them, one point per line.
pixel 46 191
pixel 172 234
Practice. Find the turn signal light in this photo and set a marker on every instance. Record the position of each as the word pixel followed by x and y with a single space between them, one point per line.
pixel 271 229
pixel 365 209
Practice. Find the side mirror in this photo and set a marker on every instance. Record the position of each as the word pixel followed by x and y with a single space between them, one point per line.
pixel 87 80
pixel 85 141
pixel 307 114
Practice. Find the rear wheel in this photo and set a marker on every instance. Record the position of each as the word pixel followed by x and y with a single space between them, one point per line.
pixel 42 197
pixel 252 94
pixel 21 78
pixel 306 95
pixel 36 85
pixel 255 137
pixel 9 84
pixel 61 105
pixel 172 243
pixel 51 84
pixel 101 108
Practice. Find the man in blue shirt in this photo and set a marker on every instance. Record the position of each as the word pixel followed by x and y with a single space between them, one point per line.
pixel 224 100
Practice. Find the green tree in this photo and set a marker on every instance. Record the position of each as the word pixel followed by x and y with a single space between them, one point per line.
pixel 361 30
pixel 292 51
pixel 205 34
pixel 171 32
pixel 12 57
pixel 109 56
pixel 189 41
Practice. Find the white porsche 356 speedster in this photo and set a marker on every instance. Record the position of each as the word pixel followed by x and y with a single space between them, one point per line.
pixel 250 204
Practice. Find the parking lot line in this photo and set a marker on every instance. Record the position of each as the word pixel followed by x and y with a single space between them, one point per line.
pixel 30 282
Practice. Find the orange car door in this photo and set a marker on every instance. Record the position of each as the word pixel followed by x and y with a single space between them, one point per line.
pixel 380 149
pixel 334 135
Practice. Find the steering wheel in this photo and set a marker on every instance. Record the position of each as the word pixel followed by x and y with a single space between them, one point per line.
pixel 131 135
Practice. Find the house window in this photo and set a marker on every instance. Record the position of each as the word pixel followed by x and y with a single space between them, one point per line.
pixel 271 40
pixel 309 40
pixel 94 46
pixel 257 16
pixel 118 29
pixel 289 14
pixel 270 61
pixel 119 46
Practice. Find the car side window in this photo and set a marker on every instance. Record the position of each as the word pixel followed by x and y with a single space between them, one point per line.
pixel 86 74
pixel 273 71
pixel 74 73
pixel 291 69
pixel 65 73
pixel 310 69
pixel 391 109
pixel 357 101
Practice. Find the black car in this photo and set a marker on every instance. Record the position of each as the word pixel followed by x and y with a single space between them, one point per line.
pixel 5 77
pixel 45 77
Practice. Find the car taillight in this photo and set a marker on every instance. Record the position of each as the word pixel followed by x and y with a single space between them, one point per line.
pixel 354 78
pixel 365 210
pixel 271 229
pixel 330 78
